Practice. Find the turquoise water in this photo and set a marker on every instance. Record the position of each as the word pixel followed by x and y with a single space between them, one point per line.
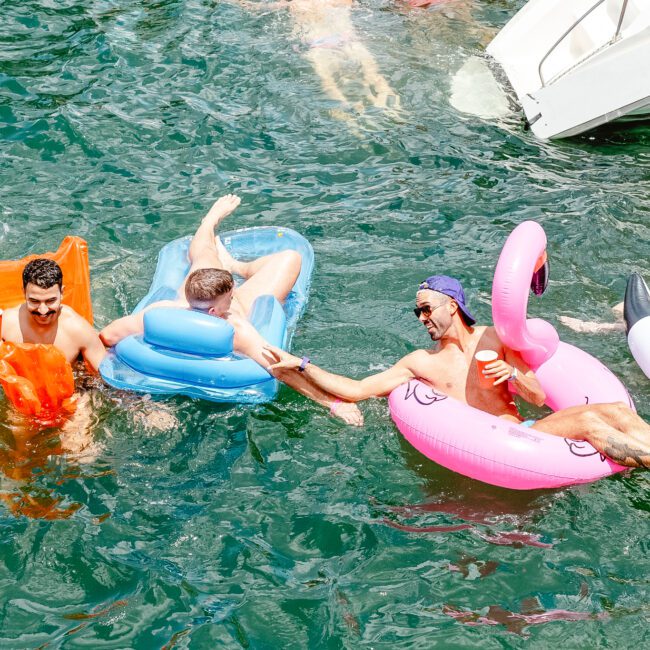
pixel 276 526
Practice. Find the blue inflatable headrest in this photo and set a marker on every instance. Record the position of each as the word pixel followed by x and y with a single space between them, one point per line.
pixel 188 331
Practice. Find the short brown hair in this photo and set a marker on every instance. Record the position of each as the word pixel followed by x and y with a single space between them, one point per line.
pixel 204 285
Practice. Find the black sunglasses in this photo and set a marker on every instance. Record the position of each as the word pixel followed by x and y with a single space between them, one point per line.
pixel 426 310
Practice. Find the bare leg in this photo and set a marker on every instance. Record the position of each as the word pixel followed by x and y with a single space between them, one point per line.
pixel 202 248
pixel 325 64
pixel 613 429
pixel 379 90
pixel 76 433
pixel 230 263
pixel 275 273
pixel 208 251
pixel 203 253
pixel 329 62
pixel 270 275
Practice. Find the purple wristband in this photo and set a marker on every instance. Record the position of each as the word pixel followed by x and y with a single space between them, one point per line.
pixel 303 364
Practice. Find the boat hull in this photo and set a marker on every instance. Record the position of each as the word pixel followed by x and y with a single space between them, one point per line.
pixel 572 68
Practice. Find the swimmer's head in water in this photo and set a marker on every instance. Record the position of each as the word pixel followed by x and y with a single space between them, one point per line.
pixel 43 286
pixel 210 291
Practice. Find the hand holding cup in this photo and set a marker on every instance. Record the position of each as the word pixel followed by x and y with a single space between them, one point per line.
pixel 483 359
pixel 492 371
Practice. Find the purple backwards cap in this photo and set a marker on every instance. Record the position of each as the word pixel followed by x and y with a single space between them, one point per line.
pixel 452 288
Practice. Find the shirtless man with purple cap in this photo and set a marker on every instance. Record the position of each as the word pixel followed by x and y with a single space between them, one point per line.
pixel 613 429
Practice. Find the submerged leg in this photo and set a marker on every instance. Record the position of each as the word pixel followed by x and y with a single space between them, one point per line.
pixel 379 90
pixel 326 64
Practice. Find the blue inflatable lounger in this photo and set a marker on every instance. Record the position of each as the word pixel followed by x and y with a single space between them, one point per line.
pixel 191 353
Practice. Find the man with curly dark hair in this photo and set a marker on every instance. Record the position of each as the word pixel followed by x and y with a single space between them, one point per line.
pixel 43 318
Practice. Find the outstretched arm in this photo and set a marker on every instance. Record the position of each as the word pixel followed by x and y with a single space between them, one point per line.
pixel 86 337
pixel 248 341
pixel 93 350
pixel 354 390
pixel 120 328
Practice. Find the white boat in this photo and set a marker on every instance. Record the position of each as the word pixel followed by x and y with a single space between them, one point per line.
pixel 577 64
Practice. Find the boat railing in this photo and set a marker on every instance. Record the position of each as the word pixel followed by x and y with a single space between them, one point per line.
pixel 574 25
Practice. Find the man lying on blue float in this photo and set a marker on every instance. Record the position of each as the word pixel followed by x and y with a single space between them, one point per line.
pixel 172 342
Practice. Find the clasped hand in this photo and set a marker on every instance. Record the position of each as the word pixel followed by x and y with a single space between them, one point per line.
pixel 282 360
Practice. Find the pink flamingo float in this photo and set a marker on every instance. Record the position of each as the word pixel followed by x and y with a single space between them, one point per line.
pixel 498 451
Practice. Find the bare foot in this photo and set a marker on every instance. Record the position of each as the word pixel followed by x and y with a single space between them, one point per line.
pixel 221 209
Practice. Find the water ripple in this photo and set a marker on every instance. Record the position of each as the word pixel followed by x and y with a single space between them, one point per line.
pixel 198 525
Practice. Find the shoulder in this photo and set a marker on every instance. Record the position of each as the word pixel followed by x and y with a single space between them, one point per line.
pixel 493 341
pixel 75 324
pixel 239 322
pixel 417 355
pixel 10 325
pixel 415 360
pixel 485 330
pixel 180 304
pixel 489 335
pixel 244 329
pixel 69 315
pixel 247 339
pixel 11 314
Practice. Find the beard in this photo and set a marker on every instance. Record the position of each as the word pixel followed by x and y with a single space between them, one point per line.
pixel 438 331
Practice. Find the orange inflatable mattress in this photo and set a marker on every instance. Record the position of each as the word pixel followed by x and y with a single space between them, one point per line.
pixel 36 378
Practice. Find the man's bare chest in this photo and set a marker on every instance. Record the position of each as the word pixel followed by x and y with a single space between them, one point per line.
pixel 449 378
pixel 58 337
